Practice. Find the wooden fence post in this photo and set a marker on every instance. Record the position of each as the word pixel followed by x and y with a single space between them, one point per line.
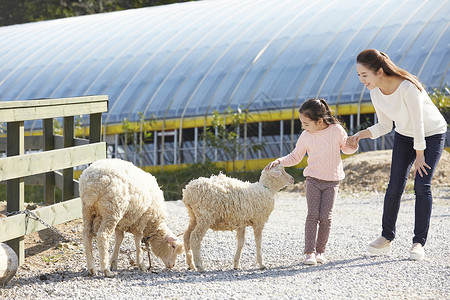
pixel 68 190
pixel 95 127
pixel 49 179
pixel 15 194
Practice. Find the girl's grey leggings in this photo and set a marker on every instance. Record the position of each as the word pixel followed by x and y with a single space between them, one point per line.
pixel 320 197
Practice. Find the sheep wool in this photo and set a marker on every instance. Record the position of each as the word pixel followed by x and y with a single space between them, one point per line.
pixel 119 197
pixel 226 204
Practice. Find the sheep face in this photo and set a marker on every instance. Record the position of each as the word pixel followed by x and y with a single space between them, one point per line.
pixel 168 250
pixel 276 178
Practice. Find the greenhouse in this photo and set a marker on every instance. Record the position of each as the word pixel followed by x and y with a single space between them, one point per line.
pixel 170 72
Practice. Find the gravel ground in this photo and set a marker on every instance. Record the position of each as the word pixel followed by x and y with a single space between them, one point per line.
pixel 351 273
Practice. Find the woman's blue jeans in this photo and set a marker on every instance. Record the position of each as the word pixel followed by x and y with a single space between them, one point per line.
pixel 403 157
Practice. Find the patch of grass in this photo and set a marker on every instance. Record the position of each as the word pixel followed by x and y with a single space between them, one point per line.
pixel 50 259
pixel 33 193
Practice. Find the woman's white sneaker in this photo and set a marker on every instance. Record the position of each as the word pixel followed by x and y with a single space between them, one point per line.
pixel 417 252
pixel 379 246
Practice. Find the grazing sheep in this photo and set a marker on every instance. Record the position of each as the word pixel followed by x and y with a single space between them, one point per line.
pixel 223 203
pixel 119 197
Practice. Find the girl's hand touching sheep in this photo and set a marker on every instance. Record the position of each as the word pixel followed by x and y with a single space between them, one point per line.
pixel 272 164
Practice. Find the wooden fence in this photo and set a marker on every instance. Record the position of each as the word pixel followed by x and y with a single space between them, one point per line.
pixel 60 152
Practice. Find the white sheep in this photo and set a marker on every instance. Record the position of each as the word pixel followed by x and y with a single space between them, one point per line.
pixel 119 197
pixel 226 204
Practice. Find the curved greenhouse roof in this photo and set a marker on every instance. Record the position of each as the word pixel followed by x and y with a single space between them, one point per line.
pixel 188 59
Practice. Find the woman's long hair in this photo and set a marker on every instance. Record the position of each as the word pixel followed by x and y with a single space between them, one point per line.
pixel 374 60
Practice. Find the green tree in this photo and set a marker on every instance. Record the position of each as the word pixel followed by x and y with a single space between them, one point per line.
pixel 225 134
pixel 441 98
pixel 127 135
pixel 25 11
pixel 144 134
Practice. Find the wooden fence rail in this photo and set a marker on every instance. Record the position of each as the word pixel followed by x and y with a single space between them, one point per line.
pixel 59 153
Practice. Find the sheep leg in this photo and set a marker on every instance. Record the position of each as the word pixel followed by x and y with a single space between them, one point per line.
pixel 187 242
pixel 240 236
pixel 139 259
pixel 103 236
pixel 115 256
pixel 196 239
pixel 258 237
pixel 87 241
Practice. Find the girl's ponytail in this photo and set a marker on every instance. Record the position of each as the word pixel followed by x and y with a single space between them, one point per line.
pixel 316 109
pixel 329 119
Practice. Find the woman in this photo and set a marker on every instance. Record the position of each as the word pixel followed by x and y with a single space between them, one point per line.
pixel 398 97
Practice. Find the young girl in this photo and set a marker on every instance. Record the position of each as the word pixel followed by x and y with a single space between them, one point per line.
pixel 419 139
pixel 323 139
